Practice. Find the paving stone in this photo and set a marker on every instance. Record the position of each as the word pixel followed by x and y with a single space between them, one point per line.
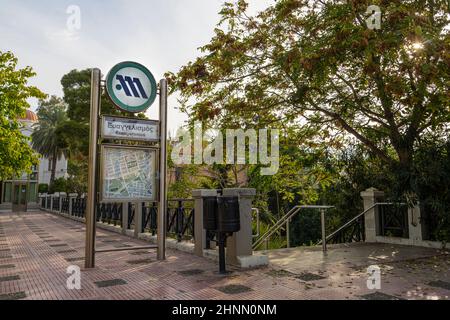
pixel 233 289
pixel 139 253
pixel 9 278
pixel 440 284
pixel 110 283
pixel 281 273
pixel 13 296
pixel 141 261
pixel 191 272
pixel 122 246
pixel 67 251
pixel 379 296
pixel 309 277
pixel 74 259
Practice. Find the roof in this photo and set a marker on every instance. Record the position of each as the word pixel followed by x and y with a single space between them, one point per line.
pixel 29 116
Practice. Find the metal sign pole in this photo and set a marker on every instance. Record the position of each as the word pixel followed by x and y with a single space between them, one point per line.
pixel 162 208
pixel 91 195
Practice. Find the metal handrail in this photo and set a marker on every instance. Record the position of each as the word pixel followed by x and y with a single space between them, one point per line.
pixel 330 236
pixel 257 222
pixel 287 217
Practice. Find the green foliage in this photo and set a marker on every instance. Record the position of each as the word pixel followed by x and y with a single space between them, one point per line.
pixel 317 62
pixel 77 94
pixel 353 104
pixel 74 133
pixel 45 138
pixel 16 156
pixel 77 170
pixel 59 185
pixel 43 188
pixel 183 184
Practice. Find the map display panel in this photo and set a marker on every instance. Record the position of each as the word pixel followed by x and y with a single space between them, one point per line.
pixel 128 173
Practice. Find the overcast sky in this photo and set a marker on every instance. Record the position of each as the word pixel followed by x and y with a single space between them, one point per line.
pixel 163 35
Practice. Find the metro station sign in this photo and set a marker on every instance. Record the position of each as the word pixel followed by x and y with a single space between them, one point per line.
pixel 121 128
pixel 131 87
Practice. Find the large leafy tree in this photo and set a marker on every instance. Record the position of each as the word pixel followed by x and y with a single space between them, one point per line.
pixel 77 95
pixel 316 63
pixel 74 133
pixel 45 140
pixel 16 156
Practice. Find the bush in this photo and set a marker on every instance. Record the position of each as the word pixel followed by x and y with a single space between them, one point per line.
pixel 59 185
pixel 43 188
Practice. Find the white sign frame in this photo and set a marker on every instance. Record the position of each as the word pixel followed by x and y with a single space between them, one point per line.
pixel 127 120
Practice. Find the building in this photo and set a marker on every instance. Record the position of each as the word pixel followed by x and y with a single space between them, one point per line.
pixel 21 193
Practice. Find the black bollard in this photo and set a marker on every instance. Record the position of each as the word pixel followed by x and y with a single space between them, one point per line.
pixel 222 238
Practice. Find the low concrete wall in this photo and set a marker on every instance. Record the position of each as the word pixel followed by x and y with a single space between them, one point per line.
pixel 411 242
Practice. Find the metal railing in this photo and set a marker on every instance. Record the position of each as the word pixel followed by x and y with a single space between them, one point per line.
pixel 180 218
pixel 285 220
pixel 258 222
pixel 354 229
pixel 179 215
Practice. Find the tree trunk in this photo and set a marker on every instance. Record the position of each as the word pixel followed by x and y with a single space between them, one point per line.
pixel 53 160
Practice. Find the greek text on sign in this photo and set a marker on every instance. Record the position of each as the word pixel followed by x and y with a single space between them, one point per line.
pixel 129 129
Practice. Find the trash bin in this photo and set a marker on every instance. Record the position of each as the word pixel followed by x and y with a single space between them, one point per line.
pixel 228 215
pixel 210 213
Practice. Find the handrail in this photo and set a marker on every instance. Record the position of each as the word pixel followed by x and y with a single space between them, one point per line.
pixel 257 222
pixel 345 225
pixel 283 220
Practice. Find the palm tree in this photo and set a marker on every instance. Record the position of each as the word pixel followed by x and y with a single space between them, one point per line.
pixel 45 139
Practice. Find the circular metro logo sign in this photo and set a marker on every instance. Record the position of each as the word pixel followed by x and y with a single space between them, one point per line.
pixel 131 87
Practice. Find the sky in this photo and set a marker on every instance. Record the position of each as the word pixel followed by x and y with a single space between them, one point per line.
pixel 162 35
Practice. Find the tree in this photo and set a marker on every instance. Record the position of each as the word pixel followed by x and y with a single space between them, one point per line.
pixel 74 133
pixel 16 156
pixel 77 94
pixel 318 64
pixel 51 114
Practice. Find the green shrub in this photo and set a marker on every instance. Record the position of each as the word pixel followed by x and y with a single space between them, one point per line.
pixel 43 188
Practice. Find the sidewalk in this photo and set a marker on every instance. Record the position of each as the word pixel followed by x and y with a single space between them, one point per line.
pixel 36 249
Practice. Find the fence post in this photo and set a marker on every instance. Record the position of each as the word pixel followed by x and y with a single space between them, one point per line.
pixel 288 235
pixel 51 203
pixel 138 219
pixel 61 196
pixel 324 237
pixel 200 233
pixel 239 245
pixel 71 197
pixel 370 197
pixel 124 217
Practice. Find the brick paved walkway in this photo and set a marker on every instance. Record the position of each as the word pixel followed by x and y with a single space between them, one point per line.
pixel 36 249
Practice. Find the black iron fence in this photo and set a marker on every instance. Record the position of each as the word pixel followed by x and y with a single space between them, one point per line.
pixel 110 213
pixel 65 205
pixel 393 220
pixel 179 216
pixel 352 232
